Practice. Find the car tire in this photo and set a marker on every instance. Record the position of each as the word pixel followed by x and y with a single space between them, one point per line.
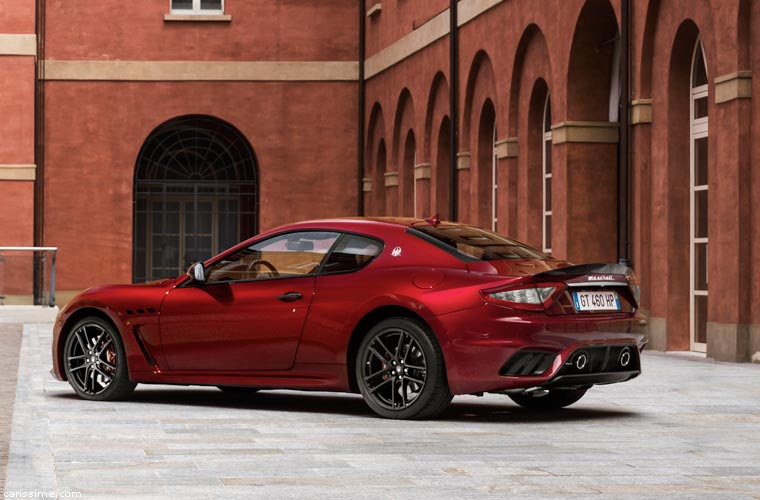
pixel 234 389
pixel 553 400
pixel 400 370
pixel 95 361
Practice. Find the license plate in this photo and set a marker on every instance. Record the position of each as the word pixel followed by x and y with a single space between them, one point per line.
pixel 596 301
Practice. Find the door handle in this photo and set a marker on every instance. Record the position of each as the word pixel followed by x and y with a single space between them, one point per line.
pixel 290 297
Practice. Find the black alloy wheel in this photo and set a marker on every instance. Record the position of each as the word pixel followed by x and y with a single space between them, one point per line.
pixel 95 362
pixel 400 370
pixel 551 400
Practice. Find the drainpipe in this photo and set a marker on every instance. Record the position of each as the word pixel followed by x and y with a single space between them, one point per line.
pixel 454 94
pixel 360 160
pixel 39 151
pixel 624 145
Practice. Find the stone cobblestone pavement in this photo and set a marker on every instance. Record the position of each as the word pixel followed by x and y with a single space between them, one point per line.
pixel 685 429
pixel 11 341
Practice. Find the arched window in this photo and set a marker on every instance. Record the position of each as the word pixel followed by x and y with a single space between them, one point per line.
pixel 409 203
pixel 443 170
pixel 547 175
pixel 494 182
pixel 378 182
pixel 195 194
pixel 486 187
pixel 698 198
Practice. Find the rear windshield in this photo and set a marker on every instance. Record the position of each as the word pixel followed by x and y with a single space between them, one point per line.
pixel 471 243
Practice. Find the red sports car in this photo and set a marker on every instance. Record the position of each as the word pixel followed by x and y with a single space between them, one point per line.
pixel 408 312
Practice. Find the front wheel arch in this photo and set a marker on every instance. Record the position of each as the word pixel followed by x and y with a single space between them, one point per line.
pixel 72 320
pixel 105 363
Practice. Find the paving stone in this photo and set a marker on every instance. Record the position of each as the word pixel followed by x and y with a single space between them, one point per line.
pixel 685 429
pixel 10 334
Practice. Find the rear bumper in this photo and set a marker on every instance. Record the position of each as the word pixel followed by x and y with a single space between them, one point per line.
pixel 479 351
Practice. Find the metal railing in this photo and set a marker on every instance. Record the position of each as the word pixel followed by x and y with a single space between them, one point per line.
pixel 18 279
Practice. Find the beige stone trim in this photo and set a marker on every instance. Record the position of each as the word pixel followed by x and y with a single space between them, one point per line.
pixel 18 172
pixel 733 86
pixel 588 132
pixel 367 184
pixel 63 297
pixel 470 9
pixel 391 179
pixel 15 300
pixel 728 342
pixel 198 17
pixel 375 10
pixel 506 148
pixel 641 111
pixel 754 343
pixel 657 332
pixel 158 71
pixel 434 29
pixel 422 171
pixel 463 161
pixel 18 45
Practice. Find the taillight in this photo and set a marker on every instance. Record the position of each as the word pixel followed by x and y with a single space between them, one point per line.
pixel 534 297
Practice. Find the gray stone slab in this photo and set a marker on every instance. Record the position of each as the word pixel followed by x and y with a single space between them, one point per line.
pixel 685 429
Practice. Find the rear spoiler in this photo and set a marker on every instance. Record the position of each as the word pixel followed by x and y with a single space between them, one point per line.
pixel 586 269
pixel 601 275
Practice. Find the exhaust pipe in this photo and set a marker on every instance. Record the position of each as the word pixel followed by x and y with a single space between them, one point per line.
pixel 625 357
pixel 580 361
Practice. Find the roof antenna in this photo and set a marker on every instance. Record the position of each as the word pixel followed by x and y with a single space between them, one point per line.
pixel 434 220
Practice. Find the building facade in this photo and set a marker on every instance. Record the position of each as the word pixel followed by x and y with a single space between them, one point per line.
pixel 178 127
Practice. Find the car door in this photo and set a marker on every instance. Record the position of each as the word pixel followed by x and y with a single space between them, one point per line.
pixel 341 285
pixel 249 313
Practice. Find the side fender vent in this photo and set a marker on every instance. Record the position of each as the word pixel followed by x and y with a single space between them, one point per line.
pixel 143 349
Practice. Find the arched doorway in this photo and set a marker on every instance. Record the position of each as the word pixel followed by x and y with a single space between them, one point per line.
pixel 195 194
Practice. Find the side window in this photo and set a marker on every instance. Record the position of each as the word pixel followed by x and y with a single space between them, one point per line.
pixel 351 253
pixel 291 254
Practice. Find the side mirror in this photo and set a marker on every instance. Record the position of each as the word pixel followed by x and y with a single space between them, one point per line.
pixel 197 273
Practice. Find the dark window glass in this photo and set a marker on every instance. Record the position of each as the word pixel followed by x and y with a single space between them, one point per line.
pixel 548 233
pixel 182 4
pixel 700 318
pixel 699 75
pixel 471 243
pixel 700 161
pixel 291 254
pixel 700 107
pixel 548 156
pixel 700 266
pixel 211 4
pixel 700 206
pixel 548 116
pixel 351 253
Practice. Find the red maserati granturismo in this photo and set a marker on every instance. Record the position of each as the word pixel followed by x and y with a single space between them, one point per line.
pixel 407 312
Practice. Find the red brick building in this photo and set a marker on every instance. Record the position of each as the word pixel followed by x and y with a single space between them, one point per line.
pixel 165 130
